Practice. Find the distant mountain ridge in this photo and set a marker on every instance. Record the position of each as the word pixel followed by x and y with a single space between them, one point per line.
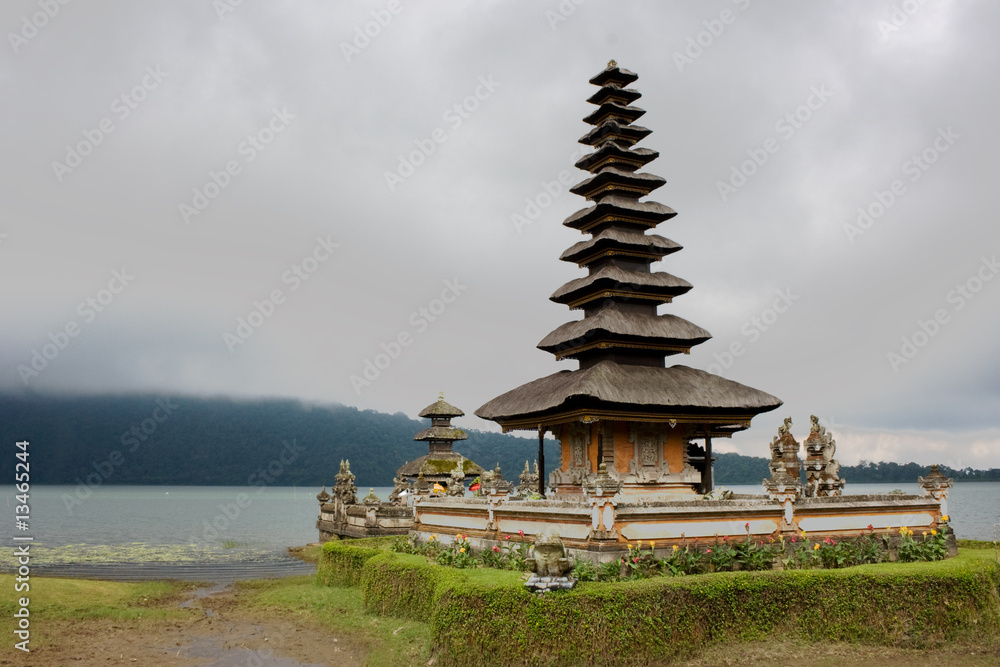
pixel 149 439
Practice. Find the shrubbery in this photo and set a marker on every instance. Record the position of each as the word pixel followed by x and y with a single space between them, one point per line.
pixel 487 617
pixel 723 555
pixel 513 555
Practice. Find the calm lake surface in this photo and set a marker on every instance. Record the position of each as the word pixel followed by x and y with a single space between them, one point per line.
pixel 142 531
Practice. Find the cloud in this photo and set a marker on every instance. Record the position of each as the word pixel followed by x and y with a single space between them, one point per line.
pixel 787 227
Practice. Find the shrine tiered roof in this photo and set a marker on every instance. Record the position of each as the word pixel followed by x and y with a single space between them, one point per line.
pixel 621 342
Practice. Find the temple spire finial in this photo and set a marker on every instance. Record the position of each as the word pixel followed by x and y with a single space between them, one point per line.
pixel 612 63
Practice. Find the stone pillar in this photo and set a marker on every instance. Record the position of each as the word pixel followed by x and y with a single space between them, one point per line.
pixel 937 486
pixel 784 485
pixel 497 490
pixel 601 491
pixel 707 480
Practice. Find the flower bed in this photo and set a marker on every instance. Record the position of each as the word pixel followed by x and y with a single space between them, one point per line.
pixel 723 555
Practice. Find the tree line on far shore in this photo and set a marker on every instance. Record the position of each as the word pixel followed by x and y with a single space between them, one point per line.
pixel 98 440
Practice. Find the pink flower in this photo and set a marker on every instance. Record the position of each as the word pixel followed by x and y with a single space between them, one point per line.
pixel 708 551
pixel 748 526
pixel 635 560
pixel 793 538
pixel 496 548
pixel 871 528
pixel 506 537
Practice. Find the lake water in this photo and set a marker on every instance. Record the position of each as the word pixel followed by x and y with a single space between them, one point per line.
pixel 220 533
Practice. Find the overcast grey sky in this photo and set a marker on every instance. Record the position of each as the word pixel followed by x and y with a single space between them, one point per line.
pixel 393 171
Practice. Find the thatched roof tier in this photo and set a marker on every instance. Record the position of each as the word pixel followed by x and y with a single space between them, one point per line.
pixel 611 181
pixel 610 327
pixel 615 76
pixel 610 153
pixel 438 466
pixel 659 286
pixel 441 433
pixel 619 242
pixel 612 110
pixel 441 409
pixel 613 209
pixel 612 130
pixel 621 342
pixel 614 94
pixel 637 393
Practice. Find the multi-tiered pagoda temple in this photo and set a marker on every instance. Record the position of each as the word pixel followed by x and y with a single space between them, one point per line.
pixel 624 405
pixel 629 426
pixel 441 465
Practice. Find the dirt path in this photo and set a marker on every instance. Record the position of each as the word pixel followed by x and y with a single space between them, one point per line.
pixel 216 631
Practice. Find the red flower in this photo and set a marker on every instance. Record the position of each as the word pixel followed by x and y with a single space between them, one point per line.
pixel 496 548
pixel 635 560
pixel 793 538
pixel 871 528
pixel 748 526
pixel 708 551
pixel 521 533
pixel 506 537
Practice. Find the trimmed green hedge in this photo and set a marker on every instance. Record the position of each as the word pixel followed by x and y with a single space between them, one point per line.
pixel 487 617
pixel 340 562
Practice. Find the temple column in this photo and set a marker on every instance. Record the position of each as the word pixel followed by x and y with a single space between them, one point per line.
pixel 706 475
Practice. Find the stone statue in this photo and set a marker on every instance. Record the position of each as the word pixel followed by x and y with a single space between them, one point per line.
pixel 494 484
pixel 549 565
pixel 822 470
pixel 528 480
pixel 785 466
pixel 815 426
pixel 457 485
pixel 400 485
pixel 344 489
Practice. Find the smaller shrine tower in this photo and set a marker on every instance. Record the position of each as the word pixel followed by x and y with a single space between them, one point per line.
pixel 441 465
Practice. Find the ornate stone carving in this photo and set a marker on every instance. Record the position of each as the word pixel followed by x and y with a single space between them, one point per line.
pixel 648 440
pixel 323 496
pixel 785 448
pixel 457 485
pixel 603 484
pixel 344 489
pixel 936 485
pixel 371 498
pixel 422 486
pixel 648 454
pixel 578 441
pixel 573 476
pixel 549 565
pixel 399 486
pixel 578 436
pixel 785 466
pixel 822 470
pixel 494 484
pixel 528 480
